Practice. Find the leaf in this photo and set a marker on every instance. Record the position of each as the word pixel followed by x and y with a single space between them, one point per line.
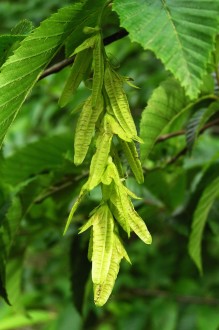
pixel 196 123
pixel 24 27
pixel 22 70
pixel 33 317
pixel 12 212
pixel 80 269
pixel 165 104
pixel 88 17
pixel 8 43
pixel 199 221
pixel 45 154
pixel 180 32
pixel 10 223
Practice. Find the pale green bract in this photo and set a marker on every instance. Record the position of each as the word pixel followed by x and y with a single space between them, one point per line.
pixel 119 103
pixel 85 128
pixel 103 290
pixel 77 74
pixel 99 160
pixel 102 244
pixel 132 156
pixel 105 252
pixel 98 67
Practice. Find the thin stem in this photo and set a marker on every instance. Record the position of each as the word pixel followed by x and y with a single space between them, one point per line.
pixel 68 61
pixel 185 299
pixel 165 137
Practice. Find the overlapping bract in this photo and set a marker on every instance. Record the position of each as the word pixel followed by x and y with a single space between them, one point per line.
pixel 105 116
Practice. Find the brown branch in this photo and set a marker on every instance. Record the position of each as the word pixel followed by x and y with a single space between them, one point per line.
pixel 185 149
pixel 57 67
pixel 170 136
pixel 68 61
pixel 186 299
pixel 165 137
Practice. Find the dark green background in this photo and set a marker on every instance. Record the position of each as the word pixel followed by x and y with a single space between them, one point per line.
pixel 162 289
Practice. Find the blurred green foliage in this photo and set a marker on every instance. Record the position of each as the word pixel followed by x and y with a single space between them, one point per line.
pixel 162 289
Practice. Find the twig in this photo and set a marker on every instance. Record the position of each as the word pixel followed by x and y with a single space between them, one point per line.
pixel 186 299
pixel 185 149
pixel 66 62
pixel 56 67
pixel 165 137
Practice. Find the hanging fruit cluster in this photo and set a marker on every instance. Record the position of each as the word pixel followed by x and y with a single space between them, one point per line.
pixel 106 118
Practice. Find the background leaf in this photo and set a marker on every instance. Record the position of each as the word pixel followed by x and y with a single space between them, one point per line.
pixel 165 104
pixel 44 155
pixel 180 32
pixel 199 221
pixel 19 74
pixel 34 317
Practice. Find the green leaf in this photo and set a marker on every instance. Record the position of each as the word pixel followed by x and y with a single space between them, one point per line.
pixel 199 221
pixel 12 212
pixel 88 17
pixel 8 43
pixel 24 27
pixel 8 228
pixel 33 317
pixel 45 154
pixel 180 32
pixel 80 270
pixel 22 70
pixel 165 104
